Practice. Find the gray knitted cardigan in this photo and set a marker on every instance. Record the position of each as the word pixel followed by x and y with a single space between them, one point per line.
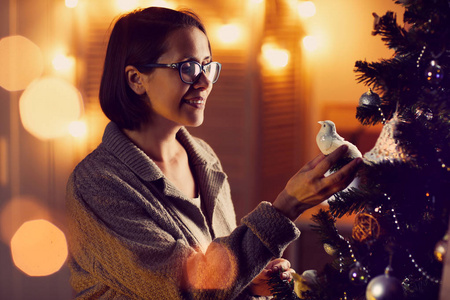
pixel 126 241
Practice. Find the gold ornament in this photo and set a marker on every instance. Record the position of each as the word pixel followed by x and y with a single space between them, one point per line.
pixel 301 282
pixel 365 227
pixel 330 250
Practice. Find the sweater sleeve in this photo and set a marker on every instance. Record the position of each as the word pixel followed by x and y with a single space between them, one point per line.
pixel 120 250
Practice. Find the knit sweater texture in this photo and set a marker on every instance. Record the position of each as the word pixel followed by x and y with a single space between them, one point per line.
pixel 126 240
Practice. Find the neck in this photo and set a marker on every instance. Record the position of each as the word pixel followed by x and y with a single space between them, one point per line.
pixel 160 144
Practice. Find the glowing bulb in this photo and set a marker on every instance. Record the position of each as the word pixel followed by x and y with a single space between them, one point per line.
pixel 77 128
pixel 276 58
pixel 62 62
pixel 71 3
pixel 306 9
pixel 126 5
pixel 21 62
pixel 39 248
pixel 229 33
pixel 310 43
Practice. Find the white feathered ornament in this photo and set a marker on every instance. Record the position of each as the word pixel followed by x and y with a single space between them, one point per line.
pixel 329 140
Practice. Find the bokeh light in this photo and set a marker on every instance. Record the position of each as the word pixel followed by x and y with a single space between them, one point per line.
pixel 71 3
pixel 21 62
pixel 162 3
pixel 275 57
pixel 126 5
pixel 17 211
pixel 48 106
pixel 63 62
pixel 78 129
pixel 229 33
pixel 310 43
pixel 306 9
pixel 39 248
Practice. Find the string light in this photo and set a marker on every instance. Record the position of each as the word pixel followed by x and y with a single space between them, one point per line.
pixel 413 261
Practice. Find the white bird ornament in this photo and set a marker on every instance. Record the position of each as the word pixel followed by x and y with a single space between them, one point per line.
pixel 329 140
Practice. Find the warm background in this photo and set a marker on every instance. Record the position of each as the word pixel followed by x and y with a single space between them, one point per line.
pixel 261 119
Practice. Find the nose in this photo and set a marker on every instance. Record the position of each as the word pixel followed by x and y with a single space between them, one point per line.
pixel 202 81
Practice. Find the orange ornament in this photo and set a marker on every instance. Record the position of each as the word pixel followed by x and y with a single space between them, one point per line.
pixel 366 227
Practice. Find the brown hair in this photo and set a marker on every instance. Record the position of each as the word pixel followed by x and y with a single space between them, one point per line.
pixel 138 38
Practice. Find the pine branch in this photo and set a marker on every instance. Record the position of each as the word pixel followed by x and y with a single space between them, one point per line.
pixel 394 36
pixel 326 228
pixel 281 289
pixel 425 136
pixel 348 202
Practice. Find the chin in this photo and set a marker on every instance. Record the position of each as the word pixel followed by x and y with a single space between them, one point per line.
pixel 194 123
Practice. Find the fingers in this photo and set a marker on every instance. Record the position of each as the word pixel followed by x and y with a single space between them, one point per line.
pixel 342 178
pixel 313 163
pixel 338 180
pixel 330 160
pixel 278 264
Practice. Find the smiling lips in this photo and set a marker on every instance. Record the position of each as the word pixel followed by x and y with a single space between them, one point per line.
pixel 195 101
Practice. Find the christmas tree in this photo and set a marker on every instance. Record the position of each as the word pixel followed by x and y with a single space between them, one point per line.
pixel 401 204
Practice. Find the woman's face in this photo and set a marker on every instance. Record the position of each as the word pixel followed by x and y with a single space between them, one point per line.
pixel 172 101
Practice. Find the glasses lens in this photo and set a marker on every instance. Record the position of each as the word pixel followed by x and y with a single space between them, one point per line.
pixel 212 71
pixel 189 71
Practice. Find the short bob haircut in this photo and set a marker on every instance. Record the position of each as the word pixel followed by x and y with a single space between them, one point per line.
pixel 138 38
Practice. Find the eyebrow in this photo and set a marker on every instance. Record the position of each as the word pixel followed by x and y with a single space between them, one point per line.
pixel 188 58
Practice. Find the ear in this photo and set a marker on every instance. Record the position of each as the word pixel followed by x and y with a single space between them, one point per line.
pixel 134 80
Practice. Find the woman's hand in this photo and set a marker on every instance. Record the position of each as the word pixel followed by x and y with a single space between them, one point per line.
pixel 259 286
pixel 310 187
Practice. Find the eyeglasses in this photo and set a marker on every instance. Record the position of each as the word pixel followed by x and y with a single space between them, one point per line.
pixel 190 71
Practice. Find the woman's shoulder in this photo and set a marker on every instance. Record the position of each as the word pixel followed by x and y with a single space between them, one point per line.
pixel 98 163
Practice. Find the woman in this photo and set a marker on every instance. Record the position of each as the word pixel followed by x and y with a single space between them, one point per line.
pixel 150 211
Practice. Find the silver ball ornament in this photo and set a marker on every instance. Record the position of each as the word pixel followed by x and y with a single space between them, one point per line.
pixel 384 287
pixel 370 98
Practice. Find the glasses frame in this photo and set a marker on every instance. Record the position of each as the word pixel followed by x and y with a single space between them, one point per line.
pixel 179 64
